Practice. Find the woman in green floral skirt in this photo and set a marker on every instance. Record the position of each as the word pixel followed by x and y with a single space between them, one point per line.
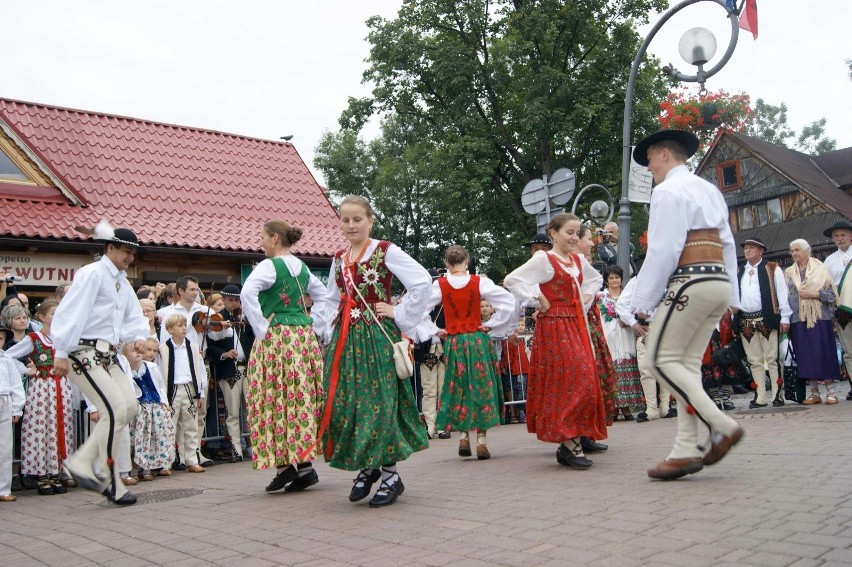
pixel 284 388
pixel 372 419
pixel 472 397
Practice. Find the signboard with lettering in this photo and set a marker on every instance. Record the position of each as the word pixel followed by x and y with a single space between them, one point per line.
pixel 639 183
pixel 42 270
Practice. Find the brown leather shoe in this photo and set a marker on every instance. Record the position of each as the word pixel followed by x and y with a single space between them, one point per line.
pixel 482 453
pixel 130 481
pixel 8 498
pixel 69 483
pixel 813 399
pixel 147 477
pixel 721 444
pixel 464 448
pixel 195 468
pixel 671 469
pixel 165 472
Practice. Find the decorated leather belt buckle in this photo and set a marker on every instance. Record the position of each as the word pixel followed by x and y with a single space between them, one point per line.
pixel 103 346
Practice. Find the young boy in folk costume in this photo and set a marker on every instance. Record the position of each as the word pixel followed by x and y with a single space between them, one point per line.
pixel 182 365
pixel 472 397
pixel 11 407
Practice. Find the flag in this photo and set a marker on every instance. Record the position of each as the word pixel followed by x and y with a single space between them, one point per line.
pixel 748 18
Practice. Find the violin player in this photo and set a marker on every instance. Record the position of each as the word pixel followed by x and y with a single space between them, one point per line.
pixel 228 356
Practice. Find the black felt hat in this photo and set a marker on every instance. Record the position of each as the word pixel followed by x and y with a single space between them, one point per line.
pixel 687 139
pixel 119 236
pixel 754 242
pixel 231 290
pixel 540 238
pixel 839 224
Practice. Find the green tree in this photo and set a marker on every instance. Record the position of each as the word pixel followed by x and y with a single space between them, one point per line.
pixel 769 123
pixel 502 92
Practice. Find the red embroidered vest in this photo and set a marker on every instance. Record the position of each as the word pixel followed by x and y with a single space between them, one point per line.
pixel 561 291
pixel 461 306
pixel 371 276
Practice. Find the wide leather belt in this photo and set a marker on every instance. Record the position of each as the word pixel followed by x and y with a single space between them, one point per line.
pixel 702 246
pixel 751 315
pixel 99 345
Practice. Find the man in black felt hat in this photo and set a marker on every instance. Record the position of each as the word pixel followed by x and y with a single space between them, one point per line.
pixel 837 265
pixel 228 354
pixel 765 312
pixel 689 276
pixel 99 312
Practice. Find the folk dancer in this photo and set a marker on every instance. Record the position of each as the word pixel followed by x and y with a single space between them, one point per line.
pixel 691 266
pixel 838 266
pixel 99 312
pixel 765 311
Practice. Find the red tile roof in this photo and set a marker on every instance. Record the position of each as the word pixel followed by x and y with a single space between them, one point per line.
pixel 175 186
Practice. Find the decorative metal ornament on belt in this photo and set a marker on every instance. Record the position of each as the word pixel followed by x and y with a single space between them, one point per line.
pixel 697 47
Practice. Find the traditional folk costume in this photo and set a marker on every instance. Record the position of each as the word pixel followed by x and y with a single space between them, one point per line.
pixel 515 368
pixel 689 276
pixel 564 398
pixel 472 397
pixel 604 363
pixel 718 379
pixel 837 264
pixel 373 414
pixel 763 297
pixel 12 400
pixel 432 366
pixel 230 373
pixel 152 430
pixel 284 390
pixel 100 311
pixel 47 433
pixel 654 408
pixel 186 383
pixel 621 341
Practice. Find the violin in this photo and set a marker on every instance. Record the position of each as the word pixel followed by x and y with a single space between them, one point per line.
pixel 203 322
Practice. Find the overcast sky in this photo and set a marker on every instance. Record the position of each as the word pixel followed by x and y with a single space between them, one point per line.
pixel 271 68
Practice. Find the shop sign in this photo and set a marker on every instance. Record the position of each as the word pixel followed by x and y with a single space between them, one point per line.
pixel 42 270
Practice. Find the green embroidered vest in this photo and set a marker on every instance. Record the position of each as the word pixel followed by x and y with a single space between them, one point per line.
pixel 283 300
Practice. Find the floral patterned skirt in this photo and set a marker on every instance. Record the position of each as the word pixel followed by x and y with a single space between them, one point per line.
pixel 40 426
pixel 603 364
pixel 152 436
pixel 284 395
pixel 564 398
pixel 629 392
pixel 374 418
pixel 472 395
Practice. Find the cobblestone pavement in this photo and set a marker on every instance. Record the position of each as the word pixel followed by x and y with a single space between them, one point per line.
pixel 782 497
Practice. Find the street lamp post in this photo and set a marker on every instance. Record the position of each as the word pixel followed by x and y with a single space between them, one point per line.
pixel 696 49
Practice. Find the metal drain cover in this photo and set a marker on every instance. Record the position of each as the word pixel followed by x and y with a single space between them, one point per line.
pixel 155 496
pixel 772 411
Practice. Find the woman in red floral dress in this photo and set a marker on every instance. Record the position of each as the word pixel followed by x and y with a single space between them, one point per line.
pixel 564 399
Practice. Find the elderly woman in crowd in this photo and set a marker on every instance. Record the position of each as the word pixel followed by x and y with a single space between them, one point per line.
pixel 812 299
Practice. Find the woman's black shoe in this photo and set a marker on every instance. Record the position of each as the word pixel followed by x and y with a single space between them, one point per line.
pixel 728 405
pixel 590 446
pixel 565 456
pixel 367 481
pixel 56 484
pixel 303 482
pixel 283 478
pixel 127 500
pixel 387 494
pixel 46 490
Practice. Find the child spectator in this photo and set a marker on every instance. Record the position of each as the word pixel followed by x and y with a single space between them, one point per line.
pixel 152 431
pixel 11 406
pixel 152 352
pixel 186 379
pixel 47 434
pixel 514 367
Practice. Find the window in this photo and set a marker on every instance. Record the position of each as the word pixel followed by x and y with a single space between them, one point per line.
pixel 9 171
pixel 746 218
pixel 729 175
pixel 759 214
pixel 774 207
